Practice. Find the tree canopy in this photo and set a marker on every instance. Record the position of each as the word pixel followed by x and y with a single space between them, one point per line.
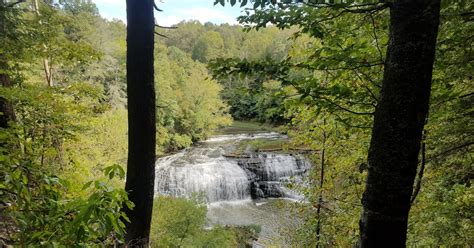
pixel 314 68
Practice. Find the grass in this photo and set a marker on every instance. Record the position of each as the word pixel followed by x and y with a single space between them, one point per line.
pixel 246 127
pixel 260 144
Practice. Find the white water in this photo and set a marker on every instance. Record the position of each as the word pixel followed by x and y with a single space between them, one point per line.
pixel 217 178
pixel 279 166
pixel 204 170
pixel 226 184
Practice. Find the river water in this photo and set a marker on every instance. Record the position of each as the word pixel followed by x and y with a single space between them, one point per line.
pixel 240 190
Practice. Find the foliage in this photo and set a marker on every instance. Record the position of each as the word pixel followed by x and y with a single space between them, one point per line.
pixel 189 105
pixel 43 203
pixel 95 147
pixel 338 196
pixel 16 37
pixel 335 66
pixel 180 222
pixel 239 127
pixel 250 98
pixel 36 210
pixel 442 213
pixel 210 45
pixel 316 68
pixel 39 206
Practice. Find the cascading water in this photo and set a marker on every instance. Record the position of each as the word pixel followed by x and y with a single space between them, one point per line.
pixel 273 166
pixel 201 171
pixel 205 170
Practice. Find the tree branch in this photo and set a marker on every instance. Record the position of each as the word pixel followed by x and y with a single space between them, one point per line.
pixel 422 169
pixel 343 108
pixel 465 145
pixel 374 97
pixel 162 35
pixel 376 38
pixel 156 7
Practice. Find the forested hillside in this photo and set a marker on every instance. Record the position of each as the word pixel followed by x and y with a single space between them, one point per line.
pixel 65 121
pixel 316 71
pixel 250 97
pixel 331 78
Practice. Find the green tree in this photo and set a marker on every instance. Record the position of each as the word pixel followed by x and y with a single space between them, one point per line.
pixel 210 45
pixel 181 222
pixel 315 23
pixel 189 104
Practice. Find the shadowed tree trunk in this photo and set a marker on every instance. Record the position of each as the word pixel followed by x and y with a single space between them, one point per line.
pixel 398 123
pixel 141 120
pixel 7 112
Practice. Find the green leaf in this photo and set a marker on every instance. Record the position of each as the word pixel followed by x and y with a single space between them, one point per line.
pixel 256 4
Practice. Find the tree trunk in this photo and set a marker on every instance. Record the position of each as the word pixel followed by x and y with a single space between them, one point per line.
pixel 398 123
pixel 141 120
pixel 48 72
pixel 7 112
pixel 321 185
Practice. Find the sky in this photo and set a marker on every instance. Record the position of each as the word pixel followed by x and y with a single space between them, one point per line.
pixel 175 11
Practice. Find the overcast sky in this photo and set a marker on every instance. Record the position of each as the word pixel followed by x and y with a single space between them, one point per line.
pixel 175 11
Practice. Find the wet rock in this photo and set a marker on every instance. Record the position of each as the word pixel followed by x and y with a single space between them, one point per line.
pixel 272 189
pixel 255 191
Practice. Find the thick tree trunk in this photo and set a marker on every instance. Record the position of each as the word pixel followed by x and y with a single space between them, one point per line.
pixel 141 120
pixel 398 123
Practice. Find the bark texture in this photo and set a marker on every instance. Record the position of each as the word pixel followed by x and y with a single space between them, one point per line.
pixel 398 123
pixel 141 120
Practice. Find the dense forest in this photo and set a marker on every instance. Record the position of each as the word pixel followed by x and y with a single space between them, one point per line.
pixel 315 71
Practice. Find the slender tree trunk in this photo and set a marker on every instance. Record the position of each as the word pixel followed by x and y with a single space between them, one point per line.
pixel 141 120
pixel 7 113
pixel 48 71
pixel 398 123
pixel 321 185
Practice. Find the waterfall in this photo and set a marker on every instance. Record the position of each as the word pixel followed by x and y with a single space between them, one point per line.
pixel 217 178
pixel 204 170
pixel 273 166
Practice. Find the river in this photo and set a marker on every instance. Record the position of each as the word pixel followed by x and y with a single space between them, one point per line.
pixel 240 189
